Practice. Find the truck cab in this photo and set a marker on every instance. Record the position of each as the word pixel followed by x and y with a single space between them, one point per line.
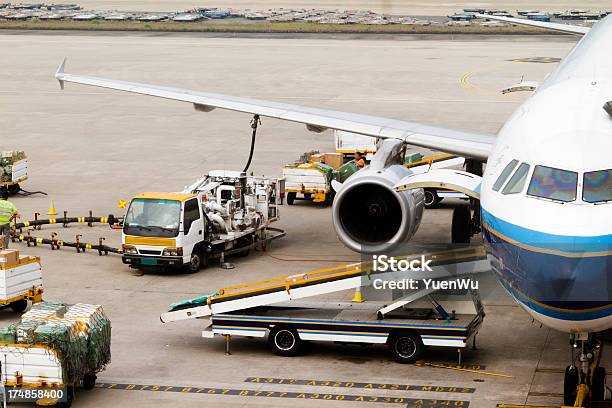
pixel 162 229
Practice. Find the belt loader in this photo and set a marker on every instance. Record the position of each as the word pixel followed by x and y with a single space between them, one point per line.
pixel 275 308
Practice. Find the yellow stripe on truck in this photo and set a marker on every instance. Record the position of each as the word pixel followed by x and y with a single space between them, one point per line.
pixel 152 241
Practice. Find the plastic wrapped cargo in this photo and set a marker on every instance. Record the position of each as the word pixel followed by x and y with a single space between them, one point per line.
pixel 13 166
pixel 80 334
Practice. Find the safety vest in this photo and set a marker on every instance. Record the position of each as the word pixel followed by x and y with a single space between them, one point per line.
pixel 7 209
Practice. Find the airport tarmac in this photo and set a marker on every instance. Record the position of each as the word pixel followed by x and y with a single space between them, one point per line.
pixel 89 148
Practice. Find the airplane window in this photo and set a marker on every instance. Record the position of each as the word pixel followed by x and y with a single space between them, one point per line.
pixel 504 175
pixel 597 186
pixel 516 183
pixel 555 184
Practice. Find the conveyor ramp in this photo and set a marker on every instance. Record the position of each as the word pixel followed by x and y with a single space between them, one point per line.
pixel 471 259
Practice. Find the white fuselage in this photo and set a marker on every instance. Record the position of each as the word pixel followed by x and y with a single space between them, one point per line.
pixel 552 251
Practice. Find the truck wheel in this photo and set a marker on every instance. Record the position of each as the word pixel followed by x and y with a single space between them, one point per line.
pixel 406 348
pixel 290 198
pixel 89 381
pixel 195 263
pixel 285 341
pixel 14 189
pixel 431 199
pixel 19 306
pixel 461 228
pixel 69 397
pixel 307 196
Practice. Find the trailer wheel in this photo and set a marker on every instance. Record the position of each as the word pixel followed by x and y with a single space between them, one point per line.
pixel 290 198
pixel 19 306
pixel 69 397
pixel 89 381
pixel 406 348
pixel 285 341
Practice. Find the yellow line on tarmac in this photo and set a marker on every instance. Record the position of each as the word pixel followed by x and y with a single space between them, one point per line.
pixel 469 370
pixel 465 81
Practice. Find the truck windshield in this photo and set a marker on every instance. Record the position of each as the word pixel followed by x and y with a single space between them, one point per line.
pixel 149 217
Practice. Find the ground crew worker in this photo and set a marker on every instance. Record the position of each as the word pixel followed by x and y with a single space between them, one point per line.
pixel 359 160
pixel 8 212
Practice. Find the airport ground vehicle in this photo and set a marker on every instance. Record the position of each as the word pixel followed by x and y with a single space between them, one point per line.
pixel 38 367
pixel 308 181
pixel 406 325
pixel 13 170
pixel 348 143
pixel 54 349
pixel 20 280
pixel 222 213
pixel 313 175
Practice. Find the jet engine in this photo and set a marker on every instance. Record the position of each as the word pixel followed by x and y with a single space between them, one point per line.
pixel 368 215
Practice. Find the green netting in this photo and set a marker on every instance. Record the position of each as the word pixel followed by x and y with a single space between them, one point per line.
pixel 58 308
pixel 191 302
pixel 80 334
pixel 8 335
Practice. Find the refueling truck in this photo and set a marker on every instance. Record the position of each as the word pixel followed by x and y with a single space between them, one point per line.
pixel 223 213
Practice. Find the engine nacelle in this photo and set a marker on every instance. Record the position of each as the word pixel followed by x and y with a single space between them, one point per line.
pixel 368 214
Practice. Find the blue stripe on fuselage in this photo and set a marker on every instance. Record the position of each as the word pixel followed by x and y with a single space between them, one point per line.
pixel 564 243
pixel 539 274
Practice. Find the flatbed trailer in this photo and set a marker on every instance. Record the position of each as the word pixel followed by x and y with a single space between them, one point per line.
pixel 405 332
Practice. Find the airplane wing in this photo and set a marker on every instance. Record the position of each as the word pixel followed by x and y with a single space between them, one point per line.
pixel 467 144
pixel 566 28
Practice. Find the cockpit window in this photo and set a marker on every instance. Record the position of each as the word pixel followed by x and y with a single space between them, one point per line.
pixel 504 175
pixel 517 182
pixel 554 184
pixel 597 186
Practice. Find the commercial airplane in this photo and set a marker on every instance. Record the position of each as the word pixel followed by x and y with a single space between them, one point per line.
pixel 543 204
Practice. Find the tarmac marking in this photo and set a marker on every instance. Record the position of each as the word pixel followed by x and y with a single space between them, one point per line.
pixel 540 60
pixel 557 371
pixel 451 365
pixel 544 394
pixel 408 402
pixel 359 385
pixel 465 82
